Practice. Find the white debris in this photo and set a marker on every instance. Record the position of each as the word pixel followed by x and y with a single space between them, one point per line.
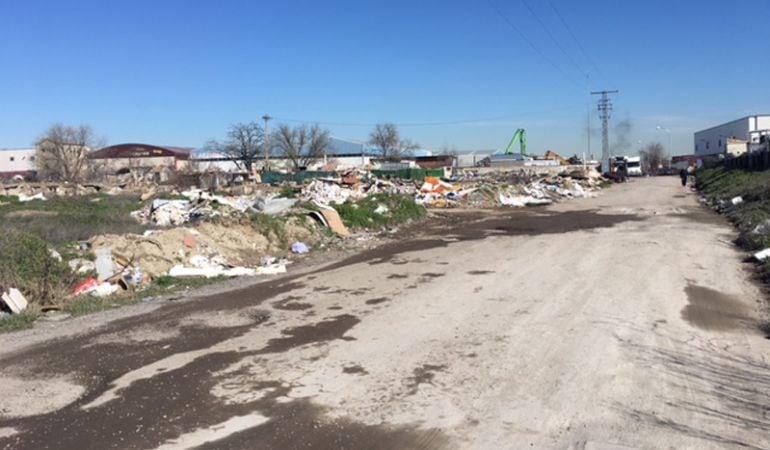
pixel 15 301
pixel 736 200
pixel 55 255
pixel 80 265
pixel 28 198
pixel 763 255
pixel 104 265
pixel 104 290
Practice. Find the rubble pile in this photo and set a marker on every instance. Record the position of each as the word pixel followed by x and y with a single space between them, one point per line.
pixel 470 190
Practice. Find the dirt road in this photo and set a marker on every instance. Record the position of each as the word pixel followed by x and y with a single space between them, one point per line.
pixel 626 320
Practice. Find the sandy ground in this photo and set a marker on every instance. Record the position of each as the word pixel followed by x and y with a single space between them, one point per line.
pixel 623 321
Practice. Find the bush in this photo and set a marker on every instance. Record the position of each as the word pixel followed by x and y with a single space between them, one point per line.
pixel 361 214
pixel 27 265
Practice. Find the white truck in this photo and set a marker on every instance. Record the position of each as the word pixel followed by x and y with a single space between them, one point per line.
pixel 634 166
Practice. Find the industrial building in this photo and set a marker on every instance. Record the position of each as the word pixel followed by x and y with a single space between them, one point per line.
pixel 124 158
pixel 341 154
pixel 17 163
pixel 732 138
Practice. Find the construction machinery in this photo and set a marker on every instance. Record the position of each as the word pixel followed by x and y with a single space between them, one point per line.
pixel 521 136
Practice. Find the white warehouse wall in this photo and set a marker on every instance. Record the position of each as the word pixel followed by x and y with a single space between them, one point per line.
pixel 17 160
pixel 713 141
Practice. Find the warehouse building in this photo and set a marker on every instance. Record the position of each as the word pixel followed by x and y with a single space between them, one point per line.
pixel 139 159
pixel 725 139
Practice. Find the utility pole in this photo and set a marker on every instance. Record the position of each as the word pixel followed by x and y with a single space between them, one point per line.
pixel 267 119
pixel 605 106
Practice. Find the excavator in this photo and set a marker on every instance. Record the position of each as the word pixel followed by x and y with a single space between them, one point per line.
pixel 521 136
pixel 509 154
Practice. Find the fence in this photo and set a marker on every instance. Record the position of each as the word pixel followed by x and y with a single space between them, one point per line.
pixel 409 174
pixel 298 177
pixel 757 161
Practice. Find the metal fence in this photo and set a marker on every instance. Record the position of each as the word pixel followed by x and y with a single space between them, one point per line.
pixel 757 161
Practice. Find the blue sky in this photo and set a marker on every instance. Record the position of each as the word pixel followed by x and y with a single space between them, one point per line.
pixel 179 72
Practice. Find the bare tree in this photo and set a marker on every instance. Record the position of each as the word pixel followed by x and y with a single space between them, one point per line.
pixel 319 142
pixel 386 138
pixel 653 156
pixel 301 145
pixel 447 150
pixel 62 152
pixel 243 144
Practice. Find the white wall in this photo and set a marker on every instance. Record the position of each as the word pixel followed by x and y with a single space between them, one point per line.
pixel 761 126
pixel 17 160
pixel 713 141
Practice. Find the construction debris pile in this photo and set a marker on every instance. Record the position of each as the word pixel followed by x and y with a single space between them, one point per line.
pixel 505 189
pixel 196 233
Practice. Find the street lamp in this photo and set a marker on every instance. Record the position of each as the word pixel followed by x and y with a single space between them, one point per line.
pixel 659 128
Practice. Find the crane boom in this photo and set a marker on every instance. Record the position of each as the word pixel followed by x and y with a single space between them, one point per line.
pixel 521 136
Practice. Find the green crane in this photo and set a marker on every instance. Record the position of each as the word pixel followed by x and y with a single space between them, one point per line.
pixel 521 136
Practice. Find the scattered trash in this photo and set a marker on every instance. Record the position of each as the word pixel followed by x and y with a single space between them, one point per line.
pixel 333 219
pixel 85 287
pixel 190 241
pixel 15 301
pixel 203 267
pixel 381 209
pixel 28 198
pixel 55 255
pixel 80 265
pixel 763 228
pixel 270 265
pixel 273 205
pixel 300 248
pixel 104 290
pixel 736 200
pixel 763 255
pixel 104 265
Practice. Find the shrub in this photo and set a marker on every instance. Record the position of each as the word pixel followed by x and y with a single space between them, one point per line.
pixel 27 265
pixel 361 214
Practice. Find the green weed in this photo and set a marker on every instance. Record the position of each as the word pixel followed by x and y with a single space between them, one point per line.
pixel 362 215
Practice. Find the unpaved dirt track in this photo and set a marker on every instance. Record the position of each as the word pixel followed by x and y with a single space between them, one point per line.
pixel 626 320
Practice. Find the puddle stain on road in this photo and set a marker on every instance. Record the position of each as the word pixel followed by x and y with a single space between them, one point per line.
pixel 423 375
pixel 378 300
pixel 480 272
pixel 713 310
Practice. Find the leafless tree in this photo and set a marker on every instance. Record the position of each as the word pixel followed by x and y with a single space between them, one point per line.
pixel 243 145
pixel 62 152
pixel 386 138
pixel 301 145
pixel 653 156
pixel 447 150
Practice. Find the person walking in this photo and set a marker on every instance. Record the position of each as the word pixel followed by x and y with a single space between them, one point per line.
pixel 683 175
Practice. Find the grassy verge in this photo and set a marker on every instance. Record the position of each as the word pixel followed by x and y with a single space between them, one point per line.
pixel 67 219
pixel 88 304
pixel 379 211
pixel 721 185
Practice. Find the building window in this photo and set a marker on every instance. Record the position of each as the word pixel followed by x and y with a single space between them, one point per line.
pixel 707 145
pixel 720 143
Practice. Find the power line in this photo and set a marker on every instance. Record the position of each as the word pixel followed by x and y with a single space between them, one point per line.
pixel 529 42
pixel 605 107
pixel 574 38
pixel 555 41
pixel 430 124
